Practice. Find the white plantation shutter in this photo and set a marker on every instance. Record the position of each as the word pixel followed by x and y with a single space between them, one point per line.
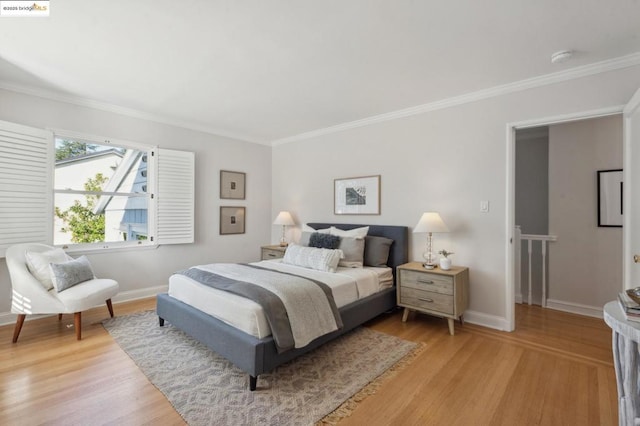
pixel 26 179
pixel 176 191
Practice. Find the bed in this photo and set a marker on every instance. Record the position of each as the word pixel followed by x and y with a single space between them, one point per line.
pixel 256 355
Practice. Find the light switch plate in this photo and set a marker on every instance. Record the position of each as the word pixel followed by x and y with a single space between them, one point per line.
pixel 484 206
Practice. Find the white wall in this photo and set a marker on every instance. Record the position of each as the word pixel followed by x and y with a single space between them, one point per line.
pixel 137 270
pixel 446 160
pixel 585 264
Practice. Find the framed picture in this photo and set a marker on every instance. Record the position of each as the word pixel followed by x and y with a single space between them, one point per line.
pixel 232 185
pixel 232 220
pixel 357 195
pixel 610 205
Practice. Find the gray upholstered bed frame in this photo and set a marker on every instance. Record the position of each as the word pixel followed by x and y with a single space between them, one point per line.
pixel 257 356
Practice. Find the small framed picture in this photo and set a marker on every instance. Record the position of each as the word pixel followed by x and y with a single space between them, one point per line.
pixel 232 220
pixel 357 195
pixel 232 185
pixel 610 190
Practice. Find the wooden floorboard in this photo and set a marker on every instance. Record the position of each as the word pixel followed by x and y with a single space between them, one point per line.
pixel 555 369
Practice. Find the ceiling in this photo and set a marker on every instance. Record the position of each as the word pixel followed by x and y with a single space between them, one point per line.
pixel 268 71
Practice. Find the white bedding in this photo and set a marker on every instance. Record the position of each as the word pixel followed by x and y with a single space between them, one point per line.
pixel 347 285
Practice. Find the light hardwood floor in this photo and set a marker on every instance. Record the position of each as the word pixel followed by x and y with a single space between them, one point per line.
pixel 556 369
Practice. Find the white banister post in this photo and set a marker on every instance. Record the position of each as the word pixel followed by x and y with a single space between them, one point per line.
pixel 529 248
pixel 544 273
pixel 544 240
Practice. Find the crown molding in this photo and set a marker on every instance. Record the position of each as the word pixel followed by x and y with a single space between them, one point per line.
pixel 569 74
pixel 128 112
pixel 544 80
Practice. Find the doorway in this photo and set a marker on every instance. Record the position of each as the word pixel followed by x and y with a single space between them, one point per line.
pixel 561 298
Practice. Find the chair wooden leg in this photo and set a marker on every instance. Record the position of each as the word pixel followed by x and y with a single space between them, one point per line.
pixel 77 323
pixel 110 307
pixel 59 317
pixel 16 330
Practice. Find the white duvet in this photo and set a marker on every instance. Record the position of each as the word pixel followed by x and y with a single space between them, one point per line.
pixel 347 285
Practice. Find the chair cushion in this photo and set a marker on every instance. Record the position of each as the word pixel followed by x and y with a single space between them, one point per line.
pixel 38 264
pixel 88 294
pixel 66 275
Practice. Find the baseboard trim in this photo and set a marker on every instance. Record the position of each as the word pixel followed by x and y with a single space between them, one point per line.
pixel 485 320
pixel 128 296
pixel 125 296
pixel 575 308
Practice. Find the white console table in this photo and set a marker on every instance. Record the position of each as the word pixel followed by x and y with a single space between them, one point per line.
pixel 626 335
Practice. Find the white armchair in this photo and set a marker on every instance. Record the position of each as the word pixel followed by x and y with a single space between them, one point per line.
pixel 29 296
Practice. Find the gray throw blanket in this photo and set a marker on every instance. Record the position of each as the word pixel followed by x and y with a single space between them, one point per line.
pixel 298 309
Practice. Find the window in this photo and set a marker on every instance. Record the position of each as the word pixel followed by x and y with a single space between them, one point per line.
pixel 119 207
pixel 100 193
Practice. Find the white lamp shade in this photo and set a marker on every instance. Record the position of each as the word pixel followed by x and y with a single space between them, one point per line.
pixel 284 219
pixel 430 222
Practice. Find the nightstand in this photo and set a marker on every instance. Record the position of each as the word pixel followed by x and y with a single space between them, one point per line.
pixel 272 252
pixel 433 291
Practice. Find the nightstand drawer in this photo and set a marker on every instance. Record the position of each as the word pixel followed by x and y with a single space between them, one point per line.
pixel 426 300
pixel 272 254
pixel 426 281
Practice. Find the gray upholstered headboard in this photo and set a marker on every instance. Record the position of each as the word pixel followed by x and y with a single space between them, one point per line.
pixel 399 252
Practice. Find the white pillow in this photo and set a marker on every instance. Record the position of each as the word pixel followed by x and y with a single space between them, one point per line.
pixel 307 228
pixel 311 257
pixel 38 264
pixel 354 233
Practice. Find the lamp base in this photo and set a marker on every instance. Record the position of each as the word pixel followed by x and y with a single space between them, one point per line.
pixel 429 265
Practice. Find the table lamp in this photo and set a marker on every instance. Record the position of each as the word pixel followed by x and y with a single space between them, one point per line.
pixel 430 222
pixel 284 219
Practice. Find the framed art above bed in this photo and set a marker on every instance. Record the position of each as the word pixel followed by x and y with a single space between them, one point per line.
pixel 357 195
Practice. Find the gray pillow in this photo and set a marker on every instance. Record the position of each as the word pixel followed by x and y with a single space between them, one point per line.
pixel 66 275
pixel 304 238
pixel 326 241
pixel 353 249
pixel 376 250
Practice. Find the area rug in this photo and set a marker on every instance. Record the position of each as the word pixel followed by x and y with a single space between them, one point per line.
pixel 206 389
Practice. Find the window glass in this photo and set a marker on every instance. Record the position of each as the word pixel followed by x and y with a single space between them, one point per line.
pixel 100 193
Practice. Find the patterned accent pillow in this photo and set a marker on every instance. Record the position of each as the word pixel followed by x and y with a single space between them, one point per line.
pixel 66 275
pixel 327 241
pixel 320 259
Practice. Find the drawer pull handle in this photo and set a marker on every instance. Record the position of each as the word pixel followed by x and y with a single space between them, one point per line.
pixel 271 255
pixel 424 299
pixel 425 282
